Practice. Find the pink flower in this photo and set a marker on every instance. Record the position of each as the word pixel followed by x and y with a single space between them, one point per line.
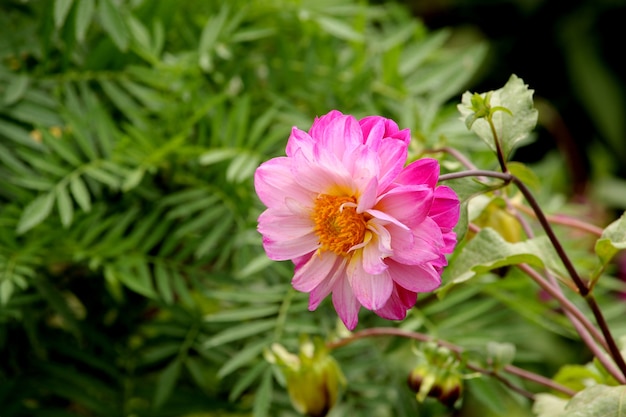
pixel 354 220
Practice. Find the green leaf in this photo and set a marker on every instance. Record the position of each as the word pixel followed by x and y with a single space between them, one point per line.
pixel 525 174
pixel 595 401
pixel 263 397
pixel 18 135
pixel 84 14
pixel 65 205
pixel 35 212
pixel 208 38
pixel 163 283
pixel 239 332
pixel 548 405
pixel 500 354
pixel 113 23
pixel 216 155
pixel 339 28
pixel 242 314
pixel 16 89
pixel 61 147
pixel 166 382
pixel 511 128
pixel 488 250
pixel 61 9
pixel 80 192
pixel 242 357
pixel 613 240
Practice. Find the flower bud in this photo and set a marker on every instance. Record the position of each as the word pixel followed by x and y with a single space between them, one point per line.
pixel 313 377
pixel 437 376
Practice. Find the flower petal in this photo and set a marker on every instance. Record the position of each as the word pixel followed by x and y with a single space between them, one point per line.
pixel 415 278
pixel 346 304
pixel 311 274
pixel 278 225
pixel 422 171
pixel 445 208
pixel 273 181
pixel 282 250
pixel 372 290
pixel 409 204
pixel 398 304
pixel 326 286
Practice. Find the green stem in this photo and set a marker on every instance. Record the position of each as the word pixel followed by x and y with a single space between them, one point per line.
pixel 499 152
pixel 569 266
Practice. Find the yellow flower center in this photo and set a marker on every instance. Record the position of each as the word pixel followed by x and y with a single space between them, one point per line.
pixel 337 224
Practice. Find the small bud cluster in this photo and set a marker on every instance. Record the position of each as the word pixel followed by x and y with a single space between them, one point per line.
pixel 437 376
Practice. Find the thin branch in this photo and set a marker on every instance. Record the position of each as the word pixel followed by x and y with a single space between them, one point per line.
pixel 564 220
pixel 392 331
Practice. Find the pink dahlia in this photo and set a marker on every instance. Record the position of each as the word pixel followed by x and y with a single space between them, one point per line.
pixel 354 219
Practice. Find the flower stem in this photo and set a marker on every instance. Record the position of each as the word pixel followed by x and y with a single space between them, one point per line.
pixel 392 331
pixel 499 152
pixel 583 289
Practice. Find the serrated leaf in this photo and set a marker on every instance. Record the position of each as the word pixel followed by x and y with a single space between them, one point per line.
pixel 61 9
pixel 613 240
pixel 84 14
pixel 80 192
pixel 488 250
pixel 113 23
pixel 511 128
pixel 35 212
pixel 166 382
pixel 65 205
pixel 16 89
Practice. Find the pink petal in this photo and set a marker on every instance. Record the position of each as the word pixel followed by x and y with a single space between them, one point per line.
pixel 275 225
pixel 395 308
pixel 393 156
pixel 371 290
pixel 409 204
pixel 445 208
pixel 273 181
pixel 373 128
pixel 299 140
pixel 326 286
pixel 367 199
pixel 415 278
pixel 341 135
pixel 320 123
pixel 425 246
pixel 346 304
pixel 282 250
pixel 311 274
pixel 422 171
pixel 373 257
pixel 317 178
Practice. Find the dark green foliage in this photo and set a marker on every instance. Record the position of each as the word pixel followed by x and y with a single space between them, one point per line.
pixel 132 279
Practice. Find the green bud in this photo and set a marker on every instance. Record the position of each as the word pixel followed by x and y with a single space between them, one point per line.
pixel 313 377
pixel 436 376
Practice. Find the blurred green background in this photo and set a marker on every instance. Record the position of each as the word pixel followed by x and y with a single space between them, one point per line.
pixel 132 279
